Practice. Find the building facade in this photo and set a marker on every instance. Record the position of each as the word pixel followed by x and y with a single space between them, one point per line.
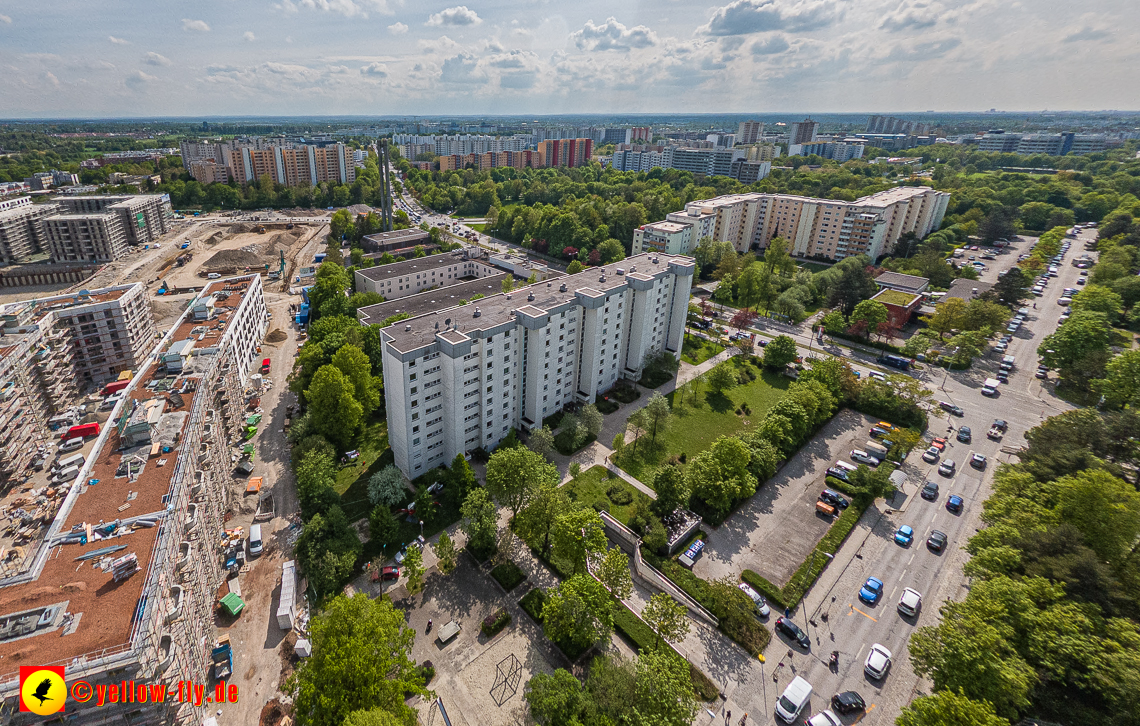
pixel 835 150
pixel 461 378
pixel 749 132
pixel 19 228
pixel 566 152
pixel 102 228
pixel 803 132
pixel 667 238
pixel 400 279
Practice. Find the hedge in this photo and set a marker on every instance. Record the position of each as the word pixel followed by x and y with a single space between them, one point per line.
pixel 813 565
pixel 508 575
pixel 533 602
pixel 495 622
pixel 745 631
pixel 607 406
pixel 642 636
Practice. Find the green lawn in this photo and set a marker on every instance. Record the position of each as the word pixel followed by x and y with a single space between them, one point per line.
pixel 812 266
pixel 591 487
pixel 696 350
pixel 352 480
pixel 693 427
pixel 478 227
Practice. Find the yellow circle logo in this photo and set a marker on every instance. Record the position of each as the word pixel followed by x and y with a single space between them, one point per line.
pixel 44 692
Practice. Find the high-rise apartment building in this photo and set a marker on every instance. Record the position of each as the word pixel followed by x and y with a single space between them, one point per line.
pixel 101 228
pixel 803 132
pixel 309 165
pixel 835 150
pixel 667 238
pixel 19 228
pixel 818 228
pixel 565 152
pixel 146 611
pixel 892 125
pixel 749 132
pixel 462 377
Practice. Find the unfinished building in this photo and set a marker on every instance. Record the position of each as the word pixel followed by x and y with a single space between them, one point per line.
pixel 121 585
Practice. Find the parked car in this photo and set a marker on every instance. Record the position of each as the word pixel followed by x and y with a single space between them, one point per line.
pixel 878 662
pixel 910 602
pixel 937 540
pixel 871 591
pixel 947 467
pixel 824 718
pixel 955 410
pixel 954 503
pixel 389 573
pixel 977 461
pixel 864 458
pixel 762 609
pixel 793 631
pixel 964 434
pixel 930 491
pixel 1042 373
pixel 834 498
pixel 938 443
pixel 793 699
pixel 878 432
pixel 931 455
pixel 904 535
pixel 837 472
pixel 848 702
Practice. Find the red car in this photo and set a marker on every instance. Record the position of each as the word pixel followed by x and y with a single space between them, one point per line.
pixel 386 573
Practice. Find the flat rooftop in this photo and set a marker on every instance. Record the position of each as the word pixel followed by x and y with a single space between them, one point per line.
pixel 666 226
pixel 426 302
pixel 121 484
pixel 43 305
pixel 890 196
pixel 499 309
pixel 418 264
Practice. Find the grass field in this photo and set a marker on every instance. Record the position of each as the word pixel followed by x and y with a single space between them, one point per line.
pixel 478 227
pixel 591 486
pixel 695 350
pixel 694 426
pixel 352 480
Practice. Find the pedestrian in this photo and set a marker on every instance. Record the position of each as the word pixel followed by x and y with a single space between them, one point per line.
pixel 728 717
pixel 787 613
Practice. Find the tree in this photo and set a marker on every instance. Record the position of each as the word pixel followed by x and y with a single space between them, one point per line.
pixel 577 533
pixel 853 284
pixel 1105 509
pixel 537 519
pixel 542 441
pixel 414 569
pixel 780 352
pixel 967 346
pixel 743 319
pixel 1121 383
pixel 574 267
pixel 637 422
pixel 375 717
pixel 508 284
pixel 947 708
pixel 668 618
pixel 998 224
pixel 985 315
pixel 333 411
pixel 382 524
pixel 870 313
pixel 719 475
pixel 664 690
pixel 618 444
pixel 752 286
pixel 579 612
pixel 721 378
pixel 1099 299
pixel 657 413
pixel 462 476
pixel 316 476
pixel 479 520
pixel 445 551
pixel 327 550
pixel 354 364
pixel 591 418
pixel 555 699
pixel 1011 288
pixel 387 487
pixel 612 569
pixel 776 258
pixel 514 474
pixel 611 251
pixel 1079 348
pixel 360 661
pixel 672 493
pixel 834 322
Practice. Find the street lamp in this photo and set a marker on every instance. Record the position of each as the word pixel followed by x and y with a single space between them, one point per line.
pixel 809 622
pixel 948 368
pixel 421 529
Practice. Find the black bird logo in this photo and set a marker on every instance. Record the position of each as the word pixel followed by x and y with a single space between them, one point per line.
pixel 42 691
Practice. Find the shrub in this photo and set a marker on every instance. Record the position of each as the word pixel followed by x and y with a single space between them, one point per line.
pixel 533 602
pixel 703 686
pixel 607 406
pixel 427 670
pixel 619 494
pixel 495 622
pixel 634 628
pixel 626 394
pixel 508 575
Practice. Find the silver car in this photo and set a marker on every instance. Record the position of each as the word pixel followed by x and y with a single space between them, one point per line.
pixel 878 662
pixel 910 602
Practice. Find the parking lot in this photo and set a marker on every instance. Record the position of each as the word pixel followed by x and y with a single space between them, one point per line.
pixel 776 529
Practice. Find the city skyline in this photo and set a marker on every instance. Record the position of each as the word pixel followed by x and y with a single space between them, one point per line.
pixel 374 57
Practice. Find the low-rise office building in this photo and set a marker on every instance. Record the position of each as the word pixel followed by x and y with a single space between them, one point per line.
pixel 460 378
pixel 400 279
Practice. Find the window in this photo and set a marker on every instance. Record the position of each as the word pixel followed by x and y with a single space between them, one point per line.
pixel 415 403
pixel 414 389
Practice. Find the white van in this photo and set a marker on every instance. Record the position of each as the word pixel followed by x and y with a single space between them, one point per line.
pixel 793 699
pixel 73 460
pixel 71 444
pixel 255 542
pixel 212 276
pixel 849 467
pixel 66 474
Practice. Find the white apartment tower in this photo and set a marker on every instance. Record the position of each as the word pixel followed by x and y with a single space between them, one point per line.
pixel 460 378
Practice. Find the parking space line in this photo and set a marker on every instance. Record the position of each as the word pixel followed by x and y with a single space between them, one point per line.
pixel 863 614
pixel 912 554
pixel 902 575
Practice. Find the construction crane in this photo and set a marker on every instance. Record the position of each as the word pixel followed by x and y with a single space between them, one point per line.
pixel 281 270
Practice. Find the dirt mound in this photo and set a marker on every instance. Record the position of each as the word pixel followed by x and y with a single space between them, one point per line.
pixel 276 336
pixel 272 714
pixel 233 258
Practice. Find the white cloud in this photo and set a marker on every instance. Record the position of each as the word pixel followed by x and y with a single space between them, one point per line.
pixel 462 68
pixel 397 28
pixel 912 15
pixel 156 59
pixel 118 41
pixel 376 70
pixel 347 8
pixel 196 25
pixel 249 36
pixel 7 20
pixel 612 35
pixel 769 46
pixel 1086 33
pixel 139 79
pixel 459 15
pixel 50 77
pixel 756 16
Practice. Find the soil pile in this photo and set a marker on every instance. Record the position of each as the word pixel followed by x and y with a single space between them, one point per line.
pixel 229 259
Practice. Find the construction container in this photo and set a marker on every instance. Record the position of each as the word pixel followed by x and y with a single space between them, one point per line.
pixel 287 611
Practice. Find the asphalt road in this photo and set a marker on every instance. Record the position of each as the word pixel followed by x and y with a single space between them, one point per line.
pixel 833 615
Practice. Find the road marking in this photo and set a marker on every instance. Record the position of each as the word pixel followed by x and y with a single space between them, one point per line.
pixel 892 592
pixel 863 614
pixel 902 575
pixel 912 554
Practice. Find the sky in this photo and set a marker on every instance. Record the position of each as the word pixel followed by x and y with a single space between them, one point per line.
pixel 113 58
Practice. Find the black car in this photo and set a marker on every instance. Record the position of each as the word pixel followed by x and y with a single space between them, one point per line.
pixel 790 629
pixel 964 434
pixel 930 490
pixel 833 498
pixel 848 702
pixel 937 540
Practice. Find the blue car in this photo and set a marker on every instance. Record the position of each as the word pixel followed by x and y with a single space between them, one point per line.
pixel 871 591
pixel 905 535
pixel 954 503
